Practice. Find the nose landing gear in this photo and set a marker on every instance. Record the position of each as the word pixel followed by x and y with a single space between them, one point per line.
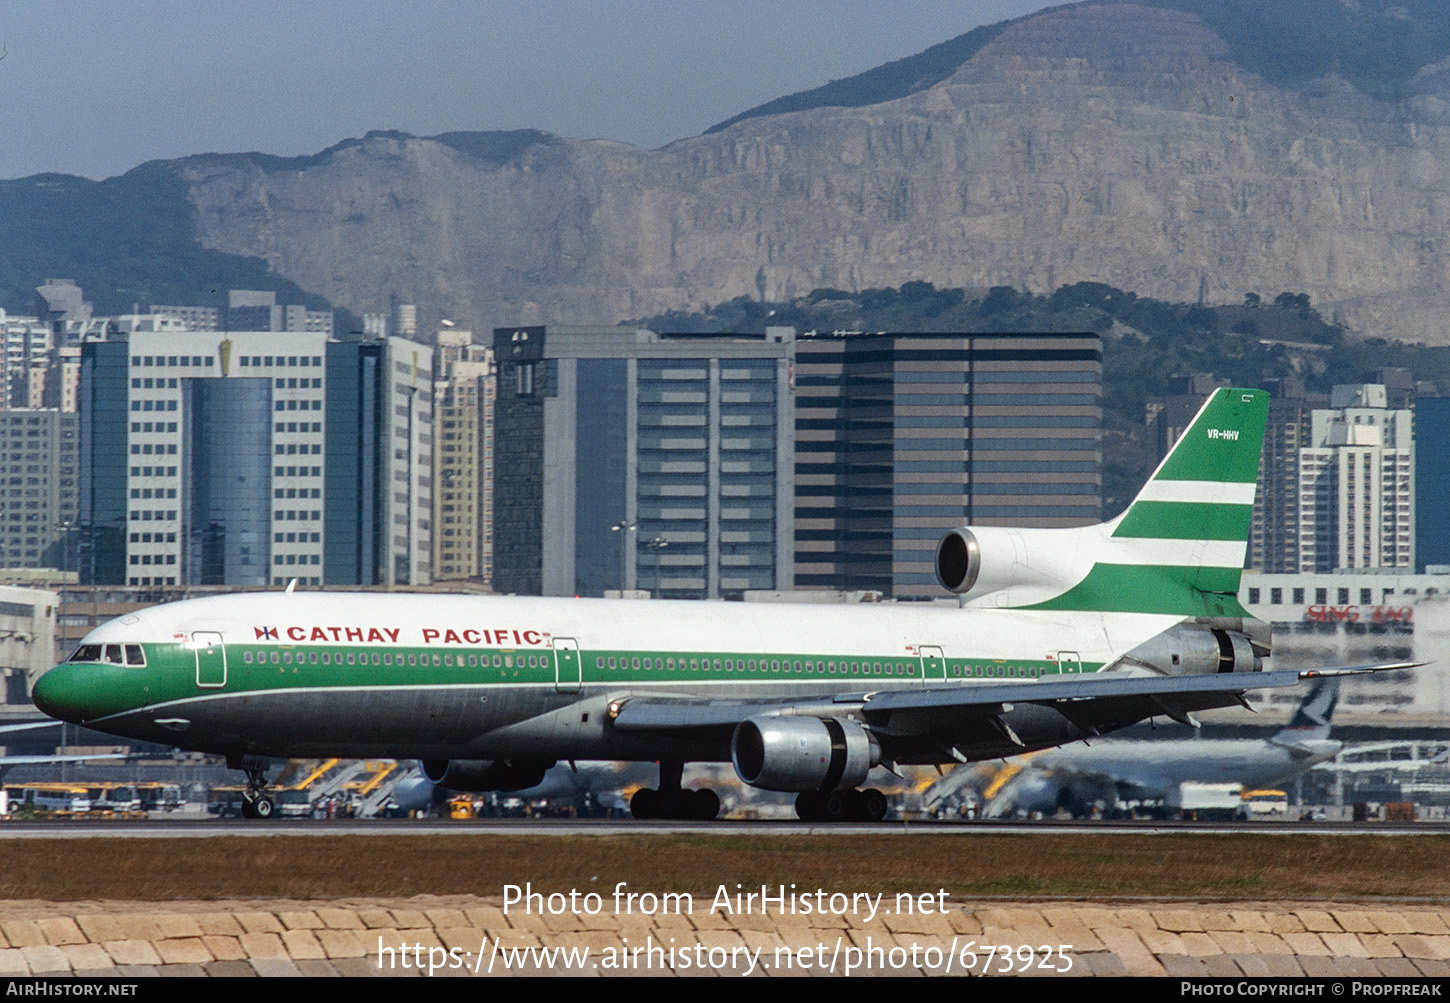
pixel 256 802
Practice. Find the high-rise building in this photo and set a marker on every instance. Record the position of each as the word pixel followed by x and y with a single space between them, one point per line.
pixel 38 453
pixel 628 459
pixel 1275 537
pixel 1357 484
pixel 903 437
pixel 1432 481
pixel 463 405
pixel 254 458
pixel 258 310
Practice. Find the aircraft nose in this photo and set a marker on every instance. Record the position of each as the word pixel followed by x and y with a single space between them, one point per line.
pixel 66 692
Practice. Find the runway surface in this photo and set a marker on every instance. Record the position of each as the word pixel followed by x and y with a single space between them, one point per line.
pixel 193 829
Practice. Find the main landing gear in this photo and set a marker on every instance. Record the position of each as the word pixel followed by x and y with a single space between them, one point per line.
pixel 841 806
pixel 671 801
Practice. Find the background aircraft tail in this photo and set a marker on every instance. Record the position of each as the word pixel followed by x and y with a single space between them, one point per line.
pixel 1312 720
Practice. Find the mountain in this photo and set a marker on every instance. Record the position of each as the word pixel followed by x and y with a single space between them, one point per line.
pixel 1178 149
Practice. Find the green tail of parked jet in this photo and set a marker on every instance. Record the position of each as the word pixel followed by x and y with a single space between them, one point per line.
pixel 1057 635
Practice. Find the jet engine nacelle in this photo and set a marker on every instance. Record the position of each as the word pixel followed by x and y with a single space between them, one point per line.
pixel 984 559
pixel 803 753
pixel 474 775
pixel 1189 649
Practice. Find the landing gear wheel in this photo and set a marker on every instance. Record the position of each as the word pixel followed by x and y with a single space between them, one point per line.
pixel 257 806
pixel 704 805
pixel 645 804
pixel 840 806
pixel 810 806
pixel 872 805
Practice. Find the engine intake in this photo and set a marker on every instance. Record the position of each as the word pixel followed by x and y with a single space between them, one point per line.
pixel 474 775
pixel 958 561
pixel 803 753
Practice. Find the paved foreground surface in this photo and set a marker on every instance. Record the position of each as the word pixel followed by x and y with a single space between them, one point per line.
pixel 467 936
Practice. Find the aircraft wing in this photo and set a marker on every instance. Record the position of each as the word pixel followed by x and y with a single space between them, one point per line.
pixel 662 713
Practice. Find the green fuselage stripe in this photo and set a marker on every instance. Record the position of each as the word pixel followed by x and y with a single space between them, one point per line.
pixel 1165 520
pixel 170 672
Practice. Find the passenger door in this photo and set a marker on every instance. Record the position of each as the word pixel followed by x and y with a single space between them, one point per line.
pixel 211 659
pixel 568 667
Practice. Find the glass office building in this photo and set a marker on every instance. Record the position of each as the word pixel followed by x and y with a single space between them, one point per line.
pixel 627 459
pixel 903 437
pixel 254 458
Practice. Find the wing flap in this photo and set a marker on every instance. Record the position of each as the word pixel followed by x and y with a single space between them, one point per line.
pixel 1194 692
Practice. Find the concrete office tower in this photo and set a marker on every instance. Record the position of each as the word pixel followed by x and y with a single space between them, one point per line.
pixel 61 301
pixel 196 318
pixel 463 405
pixel 258 310
pixel 902 437
pixel 630 459
pixel 254 458
pixel 38 448
pixel 27 639
pixel 1357 484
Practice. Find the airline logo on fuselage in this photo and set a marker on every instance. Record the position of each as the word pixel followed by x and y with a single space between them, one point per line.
pixel 491 637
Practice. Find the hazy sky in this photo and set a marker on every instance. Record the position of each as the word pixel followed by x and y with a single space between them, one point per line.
pixel 95 88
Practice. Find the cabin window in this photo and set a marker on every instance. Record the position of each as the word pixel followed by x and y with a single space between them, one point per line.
pixel 612 662
pixel 312 658
pixel 448 660
pixel 774 665
pixel 437 660
pixel 412 659
pixel 276 659
pixel 694 665
pixel 634 662
pixel 247 656
pixel 286 658
pixel 717 665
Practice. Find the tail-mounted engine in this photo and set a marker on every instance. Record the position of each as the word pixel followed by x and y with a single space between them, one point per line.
pixel 803 753
pixel 1196 648
pixel 977 560
pixel 474 775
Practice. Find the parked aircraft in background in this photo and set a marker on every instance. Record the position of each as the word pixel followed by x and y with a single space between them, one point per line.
pixel 1058 635
pixel 1082 778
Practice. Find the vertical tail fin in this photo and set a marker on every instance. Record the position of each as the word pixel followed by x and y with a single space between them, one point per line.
pixel 1179 548
pixel 1312 719
pixel 1197 508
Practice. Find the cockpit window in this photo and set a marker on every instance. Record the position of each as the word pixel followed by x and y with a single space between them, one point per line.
pixel 87 653
pixel 134 655
pixel 113 654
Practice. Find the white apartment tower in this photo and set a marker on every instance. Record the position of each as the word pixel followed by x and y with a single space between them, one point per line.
pixel 1357 484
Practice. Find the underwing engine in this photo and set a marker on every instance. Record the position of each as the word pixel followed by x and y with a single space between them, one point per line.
pixel 475 775
pixel 803 753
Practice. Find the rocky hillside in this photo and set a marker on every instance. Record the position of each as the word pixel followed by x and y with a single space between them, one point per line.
pixel 1107 142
